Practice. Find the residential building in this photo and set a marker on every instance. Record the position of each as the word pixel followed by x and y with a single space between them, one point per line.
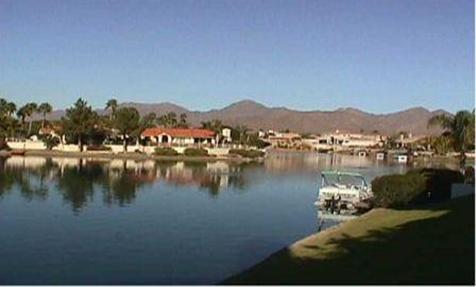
pixel 178 136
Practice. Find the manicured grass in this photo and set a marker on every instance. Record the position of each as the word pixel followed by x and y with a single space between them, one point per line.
pixel 430 245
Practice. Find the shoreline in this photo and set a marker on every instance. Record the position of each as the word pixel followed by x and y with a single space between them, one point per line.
pixel 129 156
pixel 383 234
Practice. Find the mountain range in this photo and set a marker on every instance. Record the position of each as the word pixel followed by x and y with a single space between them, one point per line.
pixel 255 115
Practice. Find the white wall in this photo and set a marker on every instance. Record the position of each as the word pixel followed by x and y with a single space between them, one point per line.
pixel 218 151
pixel 119 148
pixel 67 147
pixel 39 145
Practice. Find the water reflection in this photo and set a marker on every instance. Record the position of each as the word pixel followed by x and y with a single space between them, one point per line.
pixel 308 161
pixel 135 222
pixel 78 179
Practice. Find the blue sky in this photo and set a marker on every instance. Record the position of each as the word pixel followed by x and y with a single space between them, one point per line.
pixel 379 56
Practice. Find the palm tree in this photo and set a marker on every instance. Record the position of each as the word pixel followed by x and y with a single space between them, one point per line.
pixel 168 120
pixel 460 128
pixel 147 121
pixel 27 111
pixel 7 122
pixel 215 126
pixel 111 105
pixel 5 107
pixel 242 132
pixel 44 108
pixel 11 108
pixel 183 121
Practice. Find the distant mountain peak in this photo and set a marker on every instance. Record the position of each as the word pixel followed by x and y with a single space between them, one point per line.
pixel 256 115
pixel 246 103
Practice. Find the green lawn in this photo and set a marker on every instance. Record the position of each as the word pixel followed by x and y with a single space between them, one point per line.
pixel 430 245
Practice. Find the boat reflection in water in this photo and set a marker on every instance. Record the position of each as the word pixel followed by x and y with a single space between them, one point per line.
pixel 103 222
pixel 78 179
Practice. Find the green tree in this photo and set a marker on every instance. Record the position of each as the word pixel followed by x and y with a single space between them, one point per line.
pixel 25 112
pixel 240 134
pixel 442 144
pixel 148 121
pixel 460 128
pixel 112 106
pixel 168 120
pixel 7 122
pixel 215 126
pixel 44 109
pixel 7 108
pixel 51 141
pixel 80 121
pixel 126 121
pixel 183 121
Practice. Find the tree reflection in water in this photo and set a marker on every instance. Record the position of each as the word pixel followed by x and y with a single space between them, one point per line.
pixel 119 181
pixel 76 183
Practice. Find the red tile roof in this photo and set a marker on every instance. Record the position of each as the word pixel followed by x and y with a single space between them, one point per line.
pixel 179 133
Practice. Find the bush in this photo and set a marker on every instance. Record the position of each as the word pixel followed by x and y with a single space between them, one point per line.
pixel 4 146
pixel 414 187
pixel 50 141
pixel 165 151
pixel 195 152
pixel 398 190
pixel 247 153
pixel 98 148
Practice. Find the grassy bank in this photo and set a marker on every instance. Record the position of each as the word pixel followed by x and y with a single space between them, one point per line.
pixel 431 245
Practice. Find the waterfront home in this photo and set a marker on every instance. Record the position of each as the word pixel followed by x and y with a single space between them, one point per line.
pixel 405 141
pixel 284 140
pixel 178 136
pixel 226 135
pixel 345 141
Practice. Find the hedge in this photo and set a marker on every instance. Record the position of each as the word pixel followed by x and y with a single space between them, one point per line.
pixel 195 152
pixel 247 153
pixel 415 187
pixel 165 151
pixel 398 190
pixel 98 148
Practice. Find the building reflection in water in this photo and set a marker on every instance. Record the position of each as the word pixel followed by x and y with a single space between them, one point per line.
pixel 299 161
pixel 79 179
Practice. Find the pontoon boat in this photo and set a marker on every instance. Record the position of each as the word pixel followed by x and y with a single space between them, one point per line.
pixel 345 191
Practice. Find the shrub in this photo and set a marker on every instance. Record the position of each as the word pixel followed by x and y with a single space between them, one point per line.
pixel 247 153
pixel 165 151
pixel 398 190
pixel 195 152
pixel 50 141
pixel 98 148
pixel 414 187
pixel 4 145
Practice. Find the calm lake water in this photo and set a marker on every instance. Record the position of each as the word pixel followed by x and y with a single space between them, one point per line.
pixel 91 221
